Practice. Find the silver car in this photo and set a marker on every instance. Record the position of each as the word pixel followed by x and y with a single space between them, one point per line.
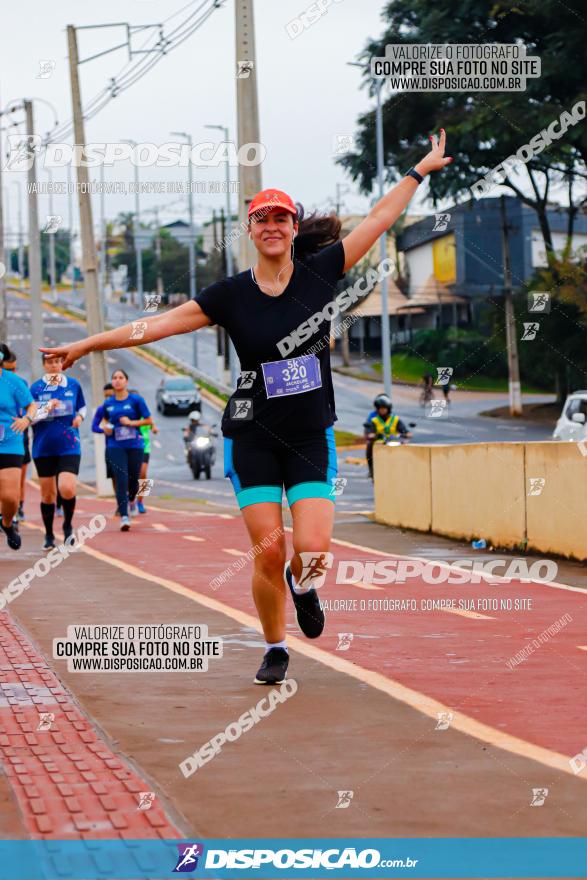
pixel 572 424
pixel 178 394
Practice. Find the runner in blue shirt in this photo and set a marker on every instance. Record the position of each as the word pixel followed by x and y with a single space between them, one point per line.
pixel 56 443
pixel 12 366
pixel 124 414
pixel 15 399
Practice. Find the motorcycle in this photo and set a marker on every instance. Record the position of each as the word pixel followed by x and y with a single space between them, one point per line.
pixel 390 440
pixel 201 452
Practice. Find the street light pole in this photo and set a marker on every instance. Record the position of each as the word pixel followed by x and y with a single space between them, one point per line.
pixel 137 227
pixel 34 252
pixel 17 184
pixel 102 243
pixel 52 270
pixel 191 243
pixel 385 329
pixel 71 247
pixel 227 244
pixel 94 315
pixel 247 109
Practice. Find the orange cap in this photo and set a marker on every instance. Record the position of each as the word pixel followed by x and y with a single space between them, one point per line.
pixel 271 199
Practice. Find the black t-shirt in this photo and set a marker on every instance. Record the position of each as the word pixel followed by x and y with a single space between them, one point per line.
pixel 256 322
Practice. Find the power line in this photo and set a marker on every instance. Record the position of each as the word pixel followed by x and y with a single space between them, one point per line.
pixel 124 79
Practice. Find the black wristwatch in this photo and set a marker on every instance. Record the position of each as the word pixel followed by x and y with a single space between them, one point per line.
pixel 415 174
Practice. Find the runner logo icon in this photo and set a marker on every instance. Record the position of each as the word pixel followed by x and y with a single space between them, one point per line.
pixel 188 855
pixel 314 568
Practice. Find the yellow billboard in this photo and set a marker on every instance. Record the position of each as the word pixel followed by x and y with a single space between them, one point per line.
pixel 444 259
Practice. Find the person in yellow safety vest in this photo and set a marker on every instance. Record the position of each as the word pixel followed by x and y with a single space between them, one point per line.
pixel 381 424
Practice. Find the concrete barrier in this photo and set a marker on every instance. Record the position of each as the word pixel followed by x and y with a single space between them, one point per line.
pixel 402 486
pixel 557 517
pixel 487 490
pixel 478 492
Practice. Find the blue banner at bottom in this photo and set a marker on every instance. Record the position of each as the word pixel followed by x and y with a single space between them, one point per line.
pixel 506 857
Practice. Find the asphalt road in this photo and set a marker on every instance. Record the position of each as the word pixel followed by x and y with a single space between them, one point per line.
pixel 462 424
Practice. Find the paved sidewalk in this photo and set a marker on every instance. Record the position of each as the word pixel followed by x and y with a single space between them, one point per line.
pixel 67 781
pixel 352 725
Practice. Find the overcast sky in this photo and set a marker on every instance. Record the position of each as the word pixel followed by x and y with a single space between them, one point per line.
pixel 308 95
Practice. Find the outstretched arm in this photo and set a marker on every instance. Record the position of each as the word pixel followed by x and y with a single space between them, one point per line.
pixel 182 319
pixel 390 207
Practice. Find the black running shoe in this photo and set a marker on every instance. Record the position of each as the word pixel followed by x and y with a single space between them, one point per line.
pixel 13 539
pixel 67 533
pixel 49 542
pixel 309 614
pixel 273 667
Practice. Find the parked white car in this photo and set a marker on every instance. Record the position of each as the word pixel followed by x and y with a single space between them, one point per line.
pixel 572 424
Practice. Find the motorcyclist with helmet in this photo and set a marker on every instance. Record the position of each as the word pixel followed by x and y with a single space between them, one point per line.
pixel 382 424
pixel 199 445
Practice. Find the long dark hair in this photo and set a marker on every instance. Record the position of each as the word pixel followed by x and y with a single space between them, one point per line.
pixel 4 353
pixel 316 231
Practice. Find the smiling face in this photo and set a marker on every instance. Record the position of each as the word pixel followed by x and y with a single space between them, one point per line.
pixel 119 381
pixel 272 232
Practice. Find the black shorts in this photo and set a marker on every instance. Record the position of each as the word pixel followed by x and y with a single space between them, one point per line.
pixel 27 447
pixel 10 460
pixel 51 465
pixel 260 470
pixel 146 457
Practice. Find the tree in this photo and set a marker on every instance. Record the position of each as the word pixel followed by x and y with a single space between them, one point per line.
pixel 558 349
pixel 485 128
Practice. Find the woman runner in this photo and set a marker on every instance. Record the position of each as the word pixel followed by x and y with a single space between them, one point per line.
pixel 124 415
pixel 17 410
pixel 278 423
pixel 56 443
pixel 12 366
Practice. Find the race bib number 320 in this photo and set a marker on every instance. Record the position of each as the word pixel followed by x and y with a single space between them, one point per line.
pixel 293 376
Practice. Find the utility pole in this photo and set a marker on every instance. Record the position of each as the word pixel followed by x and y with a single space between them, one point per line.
pixel 219 330
pixel 137 236
pixel 94 316
pixel 227 359
pixel 385 329
pixel 191 242
pixel 102 243
pixel 3 324
pixel 34 252
pixel 3 267
pixel 247 105
pixel 510 319
pixel 17 184
pixel 227 250
pixel 71 246
pixel 52 270
pixel 158 253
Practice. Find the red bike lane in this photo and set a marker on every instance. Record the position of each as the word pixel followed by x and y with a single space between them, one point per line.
pixel 457 658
